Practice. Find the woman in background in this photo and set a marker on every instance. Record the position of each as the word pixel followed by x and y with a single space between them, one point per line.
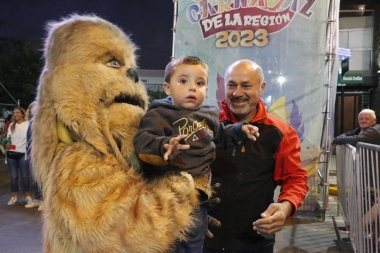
pixel 16 149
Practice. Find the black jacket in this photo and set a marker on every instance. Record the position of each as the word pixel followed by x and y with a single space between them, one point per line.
pixel 368 135
pixel 249 174
pixel 164 120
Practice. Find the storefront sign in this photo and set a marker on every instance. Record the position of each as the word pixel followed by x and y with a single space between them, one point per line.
pixel 352 78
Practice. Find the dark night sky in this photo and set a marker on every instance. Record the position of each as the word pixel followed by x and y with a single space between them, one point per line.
pixel 148 22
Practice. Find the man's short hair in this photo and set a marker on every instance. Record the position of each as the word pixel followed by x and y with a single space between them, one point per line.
pixel 368 111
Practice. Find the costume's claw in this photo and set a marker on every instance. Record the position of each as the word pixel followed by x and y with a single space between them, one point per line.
pixel 212 222
pixel 63 133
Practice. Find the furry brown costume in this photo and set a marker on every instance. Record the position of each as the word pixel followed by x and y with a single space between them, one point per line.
pixel 94 198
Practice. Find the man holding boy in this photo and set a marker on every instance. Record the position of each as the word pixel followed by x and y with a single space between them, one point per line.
pixel 179 134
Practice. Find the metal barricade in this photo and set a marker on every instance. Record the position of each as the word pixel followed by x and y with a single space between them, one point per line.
pixel 345 167
pixel 368 167
pixel 358 179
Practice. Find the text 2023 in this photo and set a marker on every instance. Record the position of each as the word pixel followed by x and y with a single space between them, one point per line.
pixel 245 38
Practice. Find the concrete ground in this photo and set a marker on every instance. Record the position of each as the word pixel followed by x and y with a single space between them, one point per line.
pixel 20 228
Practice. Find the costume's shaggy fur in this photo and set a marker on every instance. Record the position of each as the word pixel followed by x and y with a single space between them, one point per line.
pixel 95 200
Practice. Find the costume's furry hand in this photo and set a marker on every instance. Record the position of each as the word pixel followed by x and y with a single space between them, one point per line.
pixel 213 222
pixel 188 176
pixel 211 202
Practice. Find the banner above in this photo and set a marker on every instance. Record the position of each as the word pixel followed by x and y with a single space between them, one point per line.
pixel 287 38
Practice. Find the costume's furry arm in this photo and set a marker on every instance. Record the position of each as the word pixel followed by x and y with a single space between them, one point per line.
pixel 94 200
pixel 103 207
pixel 44 133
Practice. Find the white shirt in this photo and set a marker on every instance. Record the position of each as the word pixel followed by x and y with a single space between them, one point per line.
pixel 18 137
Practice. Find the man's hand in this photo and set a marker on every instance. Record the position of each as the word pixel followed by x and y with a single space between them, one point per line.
pixel 273 218
pixel 252 132
pixel 175 143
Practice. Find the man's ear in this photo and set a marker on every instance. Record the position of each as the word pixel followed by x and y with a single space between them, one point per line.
pixel 167 88
pixel 262 88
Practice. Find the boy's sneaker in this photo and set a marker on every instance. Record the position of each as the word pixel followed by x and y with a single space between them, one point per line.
pixel 12 201
pixel 41 207
pixel 28 200
pixel 34 203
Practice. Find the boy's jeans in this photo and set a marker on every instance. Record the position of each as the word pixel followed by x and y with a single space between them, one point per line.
pixel 196 235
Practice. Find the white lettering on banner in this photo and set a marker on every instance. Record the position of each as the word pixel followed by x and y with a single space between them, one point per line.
pixel 254 20
pixel 205 8
pixel 231 20
pixel 235 21
pixel 210 23
pixel 258 20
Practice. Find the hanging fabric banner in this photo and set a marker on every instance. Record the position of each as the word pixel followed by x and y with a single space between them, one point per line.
pixel 286 37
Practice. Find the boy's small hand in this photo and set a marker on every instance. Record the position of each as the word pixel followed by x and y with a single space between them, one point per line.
pixel 175 143
pixel 252 132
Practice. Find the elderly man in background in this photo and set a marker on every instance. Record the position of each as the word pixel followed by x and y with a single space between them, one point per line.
pixel 368 131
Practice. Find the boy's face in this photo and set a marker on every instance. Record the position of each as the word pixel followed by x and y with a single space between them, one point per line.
pixel 188 86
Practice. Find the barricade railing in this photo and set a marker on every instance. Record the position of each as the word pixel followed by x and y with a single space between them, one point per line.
pixel 358 179
pixel 345 166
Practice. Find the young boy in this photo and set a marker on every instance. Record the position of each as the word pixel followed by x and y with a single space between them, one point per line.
pixel 178 133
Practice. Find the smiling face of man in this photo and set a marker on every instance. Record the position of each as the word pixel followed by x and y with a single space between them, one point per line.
pixel 366 119
pixel 244 87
